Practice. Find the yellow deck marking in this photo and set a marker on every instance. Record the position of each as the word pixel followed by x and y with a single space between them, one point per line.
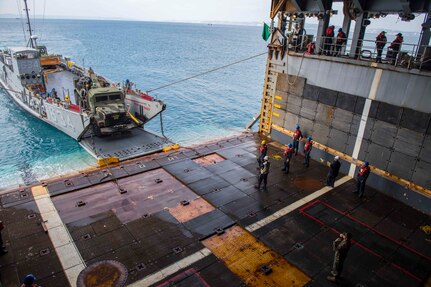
pixel 194 209
pixel 244 255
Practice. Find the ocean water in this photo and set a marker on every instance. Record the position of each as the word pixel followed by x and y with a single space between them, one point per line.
pixel 151 55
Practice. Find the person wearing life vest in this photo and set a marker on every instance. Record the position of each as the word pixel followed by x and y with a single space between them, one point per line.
pixel 263 174
pixel 329 36
pixel 287 157
pixel 29 281
pixel 334 168
pixel 381 41
pixel 297 135
pixel 310 48
pixel 363 173
pixel 396 46
pixel 262 152
pixel 307 149
pixel 341 40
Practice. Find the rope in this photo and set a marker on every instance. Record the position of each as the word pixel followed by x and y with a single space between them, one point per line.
pixel 207 72
pixel 161 126
pixel 299 70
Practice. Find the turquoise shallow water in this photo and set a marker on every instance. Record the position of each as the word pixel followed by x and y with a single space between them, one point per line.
pixel 150 54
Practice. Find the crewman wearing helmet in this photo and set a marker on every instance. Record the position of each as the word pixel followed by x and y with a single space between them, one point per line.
pixel 307 149
pixel 262 152
pixel 287 157
pixel 263 174
pixel 297 135
pixel 363 173
pixel 29 281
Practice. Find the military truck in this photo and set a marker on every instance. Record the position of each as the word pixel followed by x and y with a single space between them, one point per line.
pixel 109 111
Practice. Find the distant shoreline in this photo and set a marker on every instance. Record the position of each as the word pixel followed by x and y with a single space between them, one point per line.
pixel 210 23
pixel 11 16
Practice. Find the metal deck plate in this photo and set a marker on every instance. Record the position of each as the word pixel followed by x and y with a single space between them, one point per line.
pixel 208 223
pixel 247 258
pixel 190 277
pixel 154 190
pixel 209 184
pixel 134 144
pixel 188 210
pixel 224 196
pixel 209 160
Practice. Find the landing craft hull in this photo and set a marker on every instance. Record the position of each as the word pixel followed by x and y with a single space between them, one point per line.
pixel 67 116
pixel 68 122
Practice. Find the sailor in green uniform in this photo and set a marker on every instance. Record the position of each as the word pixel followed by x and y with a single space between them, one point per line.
pixel 341 246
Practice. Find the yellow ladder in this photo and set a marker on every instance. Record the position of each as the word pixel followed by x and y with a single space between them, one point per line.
pixel 267 99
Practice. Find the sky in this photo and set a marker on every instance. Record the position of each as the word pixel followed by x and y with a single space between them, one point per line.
pixel 243 11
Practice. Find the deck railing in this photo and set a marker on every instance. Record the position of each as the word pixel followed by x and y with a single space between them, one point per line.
pixel 409 55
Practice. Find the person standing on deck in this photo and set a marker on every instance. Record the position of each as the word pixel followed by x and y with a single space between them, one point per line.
pixel 341 246
pixel 262 152
pixel 334 168
pixel 29 281
pixel 396 46
pixel 287 157
pixel 3 250
pixel 264 171
pixel 297 135
pixel 341 40
pixel 363 173
pixel 329 37
pixel 381 41
pixel 307 149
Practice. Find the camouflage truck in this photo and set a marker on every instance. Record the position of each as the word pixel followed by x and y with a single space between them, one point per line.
pixel 109 111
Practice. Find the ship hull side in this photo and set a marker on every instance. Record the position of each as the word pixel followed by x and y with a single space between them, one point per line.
pixel 360 117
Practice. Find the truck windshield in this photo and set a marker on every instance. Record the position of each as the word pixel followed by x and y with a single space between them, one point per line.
pixel 101 98
pixel 114 97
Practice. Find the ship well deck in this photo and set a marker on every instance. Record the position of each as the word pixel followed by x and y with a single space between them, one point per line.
pixel 192 217
pixel 62 81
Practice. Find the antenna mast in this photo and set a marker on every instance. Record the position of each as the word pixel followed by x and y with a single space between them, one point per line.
pixel 30 41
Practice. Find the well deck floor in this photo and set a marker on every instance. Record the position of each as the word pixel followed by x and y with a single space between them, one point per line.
pixel 168 228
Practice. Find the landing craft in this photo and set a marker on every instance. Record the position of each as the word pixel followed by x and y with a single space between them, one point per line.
pixel 106 118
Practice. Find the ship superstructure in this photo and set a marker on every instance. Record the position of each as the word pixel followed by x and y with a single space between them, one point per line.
pixel 350 103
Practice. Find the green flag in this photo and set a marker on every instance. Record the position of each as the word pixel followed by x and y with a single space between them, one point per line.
pixel 266 32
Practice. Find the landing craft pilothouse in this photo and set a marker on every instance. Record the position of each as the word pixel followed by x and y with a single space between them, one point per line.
pixel 106 118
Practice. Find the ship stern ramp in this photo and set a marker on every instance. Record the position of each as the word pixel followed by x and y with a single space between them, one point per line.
pixel 136 143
